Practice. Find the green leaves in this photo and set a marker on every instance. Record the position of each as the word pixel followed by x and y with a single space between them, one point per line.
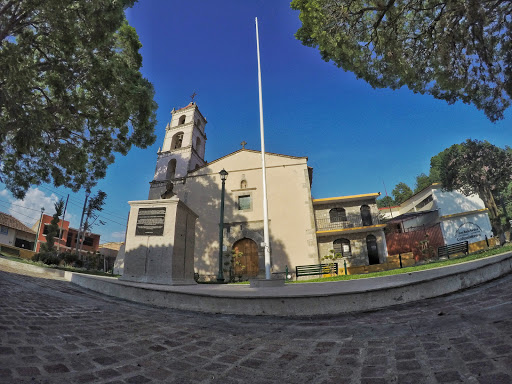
pixel 401 192
pixel 71 92
pixel 452 50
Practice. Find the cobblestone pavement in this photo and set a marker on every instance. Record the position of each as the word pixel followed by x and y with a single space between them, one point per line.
pixel 54 332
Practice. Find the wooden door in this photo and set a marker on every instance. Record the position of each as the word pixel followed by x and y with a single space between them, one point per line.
pixel 249 259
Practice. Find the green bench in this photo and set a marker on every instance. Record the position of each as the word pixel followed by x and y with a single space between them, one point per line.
pixel 314 269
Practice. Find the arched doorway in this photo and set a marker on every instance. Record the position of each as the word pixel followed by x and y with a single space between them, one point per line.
pixel 366 215
pixel 373 251
pixel 249 259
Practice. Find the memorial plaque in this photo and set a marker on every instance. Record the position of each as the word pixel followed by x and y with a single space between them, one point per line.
pixel 150 222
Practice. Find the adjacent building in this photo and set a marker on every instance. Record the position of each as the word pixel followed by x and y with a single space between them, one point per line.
pixel 349 225
pixel 66 242
pixel 446 217
pixel 13 233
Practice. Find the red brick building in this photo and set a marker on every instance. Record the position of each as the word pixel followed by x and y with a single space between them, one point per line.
pixel 68 238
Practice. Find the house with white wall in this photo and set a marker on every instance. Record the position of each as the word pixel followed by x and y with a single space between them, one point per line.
pixel 461 218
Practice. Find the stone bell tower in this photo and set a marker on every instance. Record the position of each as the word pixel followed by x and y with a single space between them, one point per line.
pixel 182 150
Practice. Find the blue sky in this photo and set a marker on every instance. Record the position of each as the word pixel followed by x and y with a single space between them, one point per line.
pixel 355 137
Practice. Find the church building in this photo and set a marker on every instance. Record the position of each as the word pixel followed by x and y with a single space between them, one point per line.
pixel 301 229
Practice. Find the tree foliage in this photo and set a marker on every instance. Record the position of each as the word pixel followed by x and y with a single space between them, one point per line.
pixel 452 50
pixel 422 181
pixel 401 192
pixel 478 167
pixel 386 201
pixel 71 91
pixel 53 228
pixel 91 213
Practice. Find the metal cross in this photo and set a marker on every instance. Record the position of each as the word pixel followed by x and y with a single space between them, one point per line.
pixel 193 96
pixel 243 144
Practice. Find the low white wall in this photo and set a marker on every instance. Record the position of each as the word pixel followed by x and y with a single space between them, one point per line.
pixel 307 299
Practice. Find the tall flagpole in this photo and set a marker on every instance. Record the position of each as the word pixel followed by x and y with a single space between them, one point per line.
pixel 263 169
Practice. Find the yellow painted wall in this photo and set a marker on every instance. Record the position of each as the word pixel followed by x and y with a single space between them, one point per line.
pixel 393 262
pixel 20 252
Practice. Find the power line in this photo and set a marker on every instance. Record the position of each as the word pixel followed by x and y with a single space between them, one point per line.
pixel 80 204
pixel 113 221
pixel 19 213
pixel 21 206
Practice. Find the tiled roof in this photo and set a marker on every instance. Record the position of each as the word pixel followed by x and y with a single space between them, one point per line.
pixel 11 222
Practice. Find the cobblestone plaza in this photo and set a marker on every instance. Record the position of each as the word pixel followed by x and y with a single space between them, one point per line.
pixel 52 331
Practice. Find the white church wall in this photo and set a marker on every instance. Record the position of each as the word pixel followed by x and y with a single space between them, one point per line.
pixel 292 232
pixel 182 160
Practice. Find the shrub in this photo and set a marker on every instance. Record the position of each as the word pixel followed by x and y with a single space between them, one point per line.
pixel 49 258
pixel 68 257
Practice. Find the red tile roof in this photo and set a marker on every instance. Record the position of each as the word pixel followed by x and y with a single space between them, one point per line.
pixel 11 222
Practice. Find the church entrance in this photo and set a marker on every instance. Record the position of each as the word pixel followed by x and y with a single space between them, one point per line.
pixel 248 262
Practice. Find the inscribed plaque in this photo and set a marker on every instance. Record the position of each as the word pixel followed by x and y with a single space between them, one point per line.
pixel 150 222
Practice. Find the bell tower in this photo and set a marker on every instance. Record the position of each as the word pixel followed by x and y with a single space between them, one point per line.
pixel 182 151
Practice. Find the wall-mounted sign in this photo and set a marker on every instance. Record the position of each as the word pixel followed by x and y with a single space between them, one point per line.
pixel 150 222
pixel 468 231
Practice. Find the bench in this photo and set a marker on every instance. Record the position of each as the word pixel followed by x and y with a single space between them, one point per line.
pixel 451 249
pixel 314 269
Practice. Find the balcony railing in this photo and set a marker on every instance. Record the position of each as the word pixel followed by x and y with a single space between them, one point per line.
pixel 353 221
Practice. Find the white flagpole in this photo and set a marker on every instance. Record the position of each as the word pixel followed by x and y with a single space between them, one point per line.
pixel 263 169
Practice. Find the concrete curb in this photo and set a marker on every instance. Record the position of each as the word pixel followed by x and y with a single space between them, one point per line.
pixel 307 299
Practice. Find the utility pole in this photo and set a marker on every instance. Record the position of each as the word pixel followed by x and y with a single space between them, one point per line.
pixel 62 223
pixel 38 229
pixel 87 193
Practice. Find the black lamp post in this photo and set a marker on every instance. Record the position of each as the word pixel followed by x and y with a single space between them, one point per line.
pixel 223 176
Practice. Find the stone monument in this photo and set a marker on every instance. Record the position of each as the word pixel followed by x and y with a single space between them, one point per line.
pixel 160 241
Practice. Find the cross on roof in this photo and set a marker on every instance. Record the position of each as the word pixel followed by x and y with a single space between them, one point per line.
pixel 243 144
pixel 193 96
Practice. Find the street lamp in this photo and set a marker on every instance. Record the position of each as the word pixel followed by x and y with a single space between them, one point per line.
pixel 223 176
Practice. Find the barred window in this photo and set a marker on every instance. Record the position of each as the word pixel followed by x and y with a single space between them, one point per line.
pixel 337 214
pixel 342 246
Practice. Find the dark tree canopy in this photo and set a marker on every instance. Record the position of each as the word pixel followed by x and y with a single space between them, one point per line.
pixel 452 50
pixel 422 181
pixel 386 201
pixel 401 192
pixel 71 91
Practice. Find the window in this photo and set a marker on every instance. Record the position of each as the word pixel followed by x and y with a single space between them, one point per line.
pixel 425 201
pixel 171 169
pixel 198 144
pixel 244 202
pixel 177 140
pixel 342 246
pixel 88 241
pixel 337 214
pixel 47 228
pixel 181 121
pixel 4 230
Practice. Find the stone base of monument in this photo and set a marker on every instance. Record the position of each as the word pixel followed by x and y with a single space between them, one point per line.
pixel 264 283
pixel 159 245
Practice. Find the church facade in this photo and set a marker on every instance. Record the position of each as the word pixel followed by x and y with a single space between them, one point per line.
pixel 302 229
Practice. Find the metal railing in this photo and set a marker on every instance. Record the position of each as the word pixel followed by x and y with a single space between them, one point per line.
pixel 353 221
